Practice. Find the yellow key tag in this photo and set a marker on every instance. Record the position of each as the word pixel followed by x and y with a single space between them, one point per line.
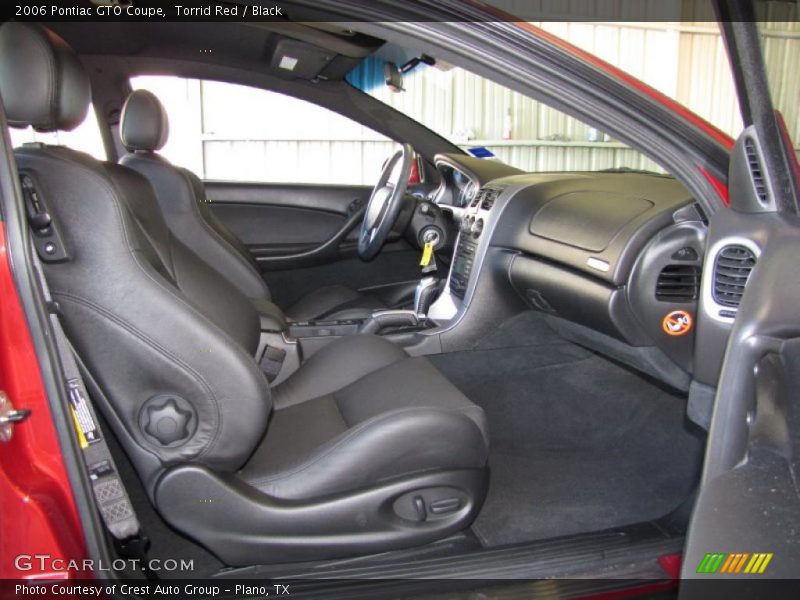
pixel 427 254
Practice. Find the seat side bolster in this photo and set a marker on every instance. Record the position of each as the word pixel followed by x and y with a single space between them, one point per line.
pixel 334 368
pixel 398 443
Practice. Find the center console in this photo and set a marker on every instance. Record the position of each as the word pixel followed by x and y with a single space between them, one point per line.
pixel 286 344
pixel 463 259
pixel 307 329
pixel 471 228
pixel 475 222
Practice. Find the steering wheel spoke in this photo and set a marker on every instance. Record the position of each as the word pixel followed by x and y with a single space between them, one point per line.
pixel 385 203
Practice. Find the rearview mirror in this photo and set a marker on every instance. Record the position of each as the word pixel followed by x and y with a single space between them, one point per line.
pixel 392 77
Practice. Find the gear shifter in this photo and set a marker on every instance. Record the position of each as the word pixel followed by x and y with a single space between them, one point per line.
pixel 425 294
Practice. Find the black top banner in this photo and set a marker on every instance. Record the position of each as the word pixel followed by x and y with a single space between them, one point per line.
pixel 381 10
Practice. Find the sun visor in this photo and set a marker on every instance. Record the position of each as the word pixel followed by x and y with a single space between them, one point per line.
pixel 299 60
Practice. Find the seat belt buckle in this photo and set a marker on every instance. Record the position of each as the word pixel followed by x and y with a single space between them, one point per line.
pixel 272 361
pixel 135 546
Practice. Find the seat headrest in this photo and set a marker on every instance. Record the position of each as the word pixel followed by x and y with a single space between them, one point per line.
pixel 143 124
pixel 42 80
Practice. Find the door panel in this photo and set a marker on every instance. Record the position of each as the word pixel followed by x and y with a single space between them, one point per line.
pixel 264 224
pixel 304 236
pixel 264 214
pixel 747 514
pixel 748 501
pixel 328 198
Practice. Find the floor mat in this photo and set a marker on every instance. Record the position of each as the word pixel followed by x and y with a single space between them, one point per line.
pixel 578 443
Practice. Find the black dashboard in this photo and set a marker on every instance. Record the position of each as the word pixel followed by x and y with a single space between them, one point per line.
pixel 462 176
pixel 458 189
pixel 614 253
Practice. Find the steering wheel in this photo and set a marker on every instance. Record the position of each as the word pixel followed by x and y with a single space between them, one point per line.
pixel 385 203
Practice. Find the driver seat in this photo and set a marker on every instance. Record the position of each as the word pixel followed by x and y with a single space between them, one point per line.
pixel 144 129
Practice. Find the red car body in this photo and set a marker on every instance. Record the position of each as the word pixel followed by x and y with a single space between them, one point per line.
pixel 36 500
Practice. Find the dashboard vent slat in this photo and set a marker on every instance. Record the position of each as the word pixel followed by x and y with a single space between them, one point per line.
pixel 678 283
pixel 486 197
pixel 756 172
pixel 731 271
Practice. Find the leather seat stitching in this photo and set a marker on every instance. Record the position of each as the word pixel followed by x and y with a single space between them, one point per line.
pixel 134 254
pixel 220 240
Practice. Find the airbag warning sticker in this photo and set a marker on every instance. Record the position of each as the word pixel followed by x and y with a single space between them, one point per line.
pixel 81 417
pixel 678 322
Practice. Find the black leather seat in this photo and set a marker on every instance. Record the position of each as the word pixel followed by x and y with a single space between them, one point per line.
pixel 363 449
pixel 144 129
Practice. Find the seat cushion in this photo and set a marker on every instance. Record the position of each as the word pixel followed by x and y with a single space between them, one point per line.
pixel 333 302
pixel 361 412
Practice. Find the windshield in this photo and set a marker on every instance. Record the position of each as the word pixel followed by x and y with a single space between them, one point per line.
pixel 487 119
pixel 685 60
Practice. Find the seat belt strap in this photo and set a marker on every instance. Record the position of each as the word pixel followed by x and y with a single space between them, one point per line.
pixel 110 494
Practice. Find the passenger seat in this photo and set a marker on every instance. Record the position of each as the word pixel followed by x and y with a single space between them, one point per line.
pixel 363 449
pixel 144 129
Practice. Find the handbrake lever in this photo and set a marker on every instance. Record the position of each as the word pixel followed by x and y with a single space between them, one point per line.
pixel 383 319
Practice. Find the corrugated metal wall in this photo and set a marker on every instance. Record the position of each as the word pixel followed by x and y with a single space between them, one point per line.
pixel 270 137
pixel 686 61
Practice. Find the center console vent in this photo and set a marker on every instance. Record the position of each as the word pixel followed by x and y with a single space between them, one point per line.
pixel 678 283
pixel 731 271
pixel 487 196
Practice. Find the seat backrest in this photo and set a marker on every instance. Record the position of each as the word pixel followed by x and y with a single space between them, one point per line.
pixel 170 341
pixel 144 130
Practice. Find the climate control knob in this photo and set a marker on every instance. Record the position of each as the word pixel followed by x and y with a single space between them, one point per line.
pixel 477 228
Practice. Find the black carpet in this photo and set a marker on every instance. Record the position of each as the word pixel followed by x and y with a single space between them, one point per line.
pixel 578 443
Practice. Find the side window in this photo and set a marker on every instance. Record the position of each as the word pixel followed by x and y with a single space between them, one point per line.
pixel 85 137
pixel 223 131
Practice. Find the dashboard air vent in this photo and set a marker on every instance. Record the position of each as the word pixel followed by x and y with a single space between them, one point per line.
pixel 678 283
pixel 756 172
pixel 489 196
pixel 733 266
